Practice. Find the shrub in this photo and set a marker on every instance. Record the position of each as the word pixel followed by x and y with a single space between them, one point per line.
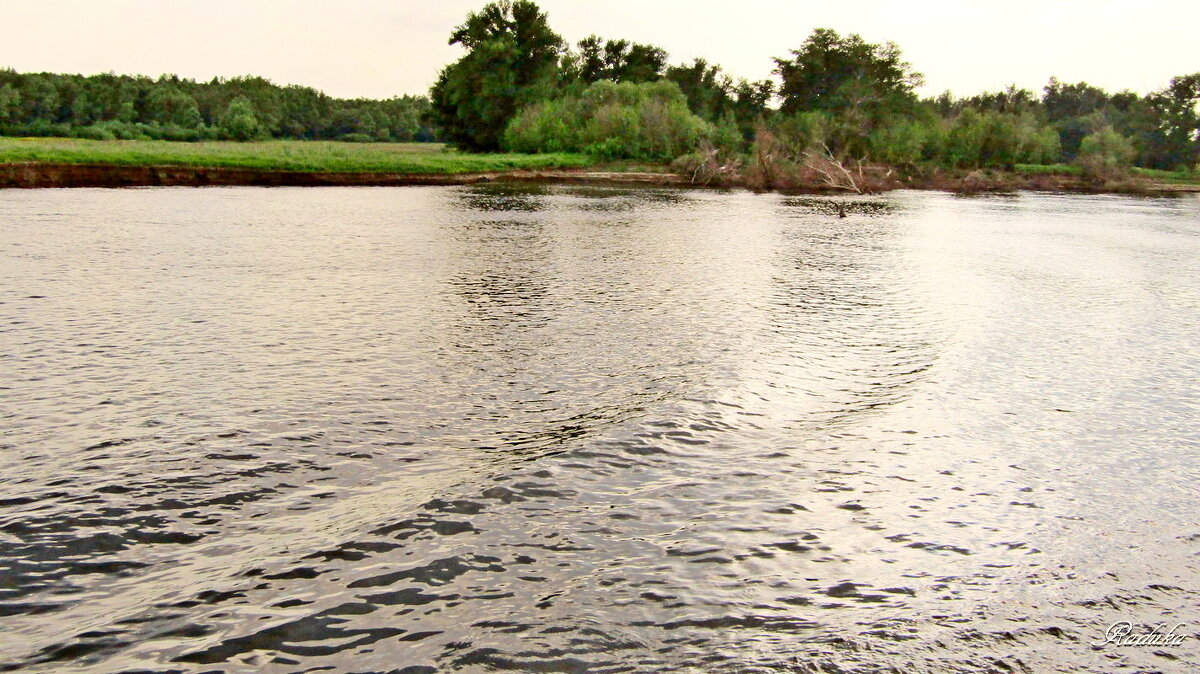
pixel 240 121
pixel 648 121
pixel 799 133
pixel 94 132
pixel 900 142
pixel 979 139
pixel 1106 154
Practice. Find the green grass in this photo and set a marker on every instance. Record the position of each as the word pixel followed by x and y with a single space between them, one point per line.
pixel 1049 169
pixel 1189 177
pixel 280 155
pixel 1177 177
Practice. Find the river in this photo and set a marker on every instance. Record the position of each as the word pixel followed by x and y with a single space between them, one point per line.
pixel 582 429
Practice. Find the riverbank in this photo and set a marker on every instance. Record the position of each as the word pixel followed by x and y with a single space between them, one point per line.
pixel 57 162
pixel 62 175
pixel 44 175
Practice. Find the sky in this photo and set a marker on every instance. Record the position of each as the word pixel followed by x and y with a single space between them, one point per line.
pixel 383 48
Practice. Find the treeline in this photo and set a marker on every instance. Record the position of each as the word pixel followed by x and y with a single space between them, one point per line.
pixel 172 108
pixel 520 87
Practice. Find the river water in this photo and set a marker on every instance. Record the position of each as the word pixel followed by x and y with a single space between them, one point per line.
pixel 497 428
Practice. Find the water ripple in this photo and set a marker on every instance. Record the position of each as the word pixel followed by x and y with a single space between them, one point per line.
pixel 594 430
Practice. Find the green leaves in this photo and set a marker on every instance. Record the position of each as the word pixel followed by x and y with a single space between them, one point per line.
pixel 240 121
pixel 608 120
pixel 512 61
pixel 831 72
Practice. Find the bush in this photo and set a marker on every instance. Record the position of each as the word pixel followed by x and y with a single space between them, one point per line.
pixel 648 121
pixel 240 121
pixel 898 142
pixel 799 133
pixel 989 139
pixel 727 137
pixel 1106 154
pixel 42 128
pixel 1043 146
pixel 94 132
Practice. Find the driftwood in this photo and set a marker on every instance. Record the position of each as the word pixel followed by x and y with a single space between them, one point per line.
pixel 834 173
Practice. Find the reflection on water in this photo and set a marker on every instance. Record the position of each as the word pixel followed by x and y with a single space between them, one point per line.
pixel 580 429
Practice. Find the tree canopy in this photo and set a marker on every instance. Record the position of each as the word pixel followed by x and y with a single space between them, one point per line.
pixel 831 72
pixel 617 61
pixel 512 60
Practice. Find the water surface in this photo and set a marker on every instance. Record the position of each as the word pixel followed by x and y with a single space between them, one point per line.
pixel 553 429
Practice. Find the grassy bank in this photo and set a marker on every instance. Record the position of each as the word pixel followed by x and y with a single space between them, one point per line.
pixel 59 162
pixel 279 155
pixel 1152 175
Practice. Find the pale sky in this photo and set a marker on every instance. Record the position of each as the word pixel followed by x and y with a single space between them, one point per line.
pixel 381 48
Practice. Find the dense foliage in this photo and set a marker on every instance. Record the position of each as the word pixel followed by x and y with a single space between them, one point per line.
pixel 614 60
pixel 609 120
pixel 512 60
pixel 171 108
pixel 848 75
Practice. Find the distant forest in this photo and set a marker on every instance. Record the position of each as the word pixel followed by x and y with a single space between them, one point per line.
pixel 520 87
pixel 109 106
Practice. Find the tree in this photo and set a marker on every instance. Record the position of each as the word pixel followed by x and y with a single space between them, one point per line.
pixel 10 102
pixel 39 99
pixel 1011 100
pixel 1179 119
pixel 1064 101
pixel 1073 109
pixel 834 73
pixel 750 101
pixel 709 91
pixel 511 61
pixel 619 61
pixel 240 122
pixel 168 105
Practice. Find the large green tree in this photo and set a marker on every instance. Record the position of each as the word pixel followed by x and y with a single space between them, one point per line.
pixel 709 91
pixel 834 73
pixel 1178 108
pixel 1076 110
pixel 168 105
pixel 511 61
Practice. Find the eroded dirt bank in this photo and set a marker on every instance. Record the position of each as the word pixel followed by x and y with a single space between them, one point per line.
pixel 42 175
pixel 107 175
